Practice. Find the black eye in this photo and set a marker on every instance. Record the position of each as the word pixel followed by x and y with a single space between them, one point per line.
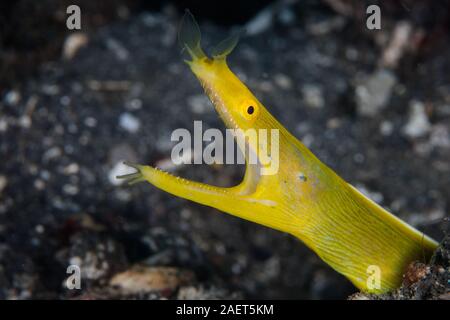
pixel 250 110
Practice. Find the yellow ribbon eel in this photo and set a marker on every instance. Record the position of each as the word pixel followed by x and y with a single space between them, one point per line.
pixel 305 198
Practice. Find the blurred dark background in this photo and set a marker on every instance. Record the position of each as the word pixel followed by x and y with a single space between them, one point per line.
pixel 372 104
pixel 31 32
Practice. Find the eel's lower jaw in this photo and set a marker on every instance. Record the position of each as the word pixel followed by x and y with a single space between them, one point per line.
pixel 247 186
pixel 197 191
pixel 134 177
pixel 145 173
pixel 238 200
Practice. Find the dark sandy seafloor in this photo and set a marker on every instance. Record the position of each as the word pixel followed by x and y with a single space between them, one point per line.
pixel 65 132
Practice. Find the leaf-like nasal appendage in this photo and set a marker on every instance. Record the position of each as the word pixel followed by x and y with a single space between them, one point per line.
pixel 189 36
pixel 225 47
pixel 132 178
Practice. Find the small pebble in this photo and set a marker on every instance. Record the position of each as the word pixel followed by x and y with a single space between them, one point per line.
pixel 313 96
pixel 52 153
pixel 12 98
pixel 374 93
pixel 134 104
pixel 283 81
pixel 50 89
pixel 418 124
pixel 141 278
pixel 73 43
pixel 90 122
pixel 386 128
pixel 440 136
pixel 334 123
pixel 70 189
pixel 129 122
pixel 75 261
pixel 72 168
pixel 39 184
pixel 123 195
pixel 3 125
pixel 25 122
pixel 39 228
pixel 45 175
pixel 260 23
pixel 119 50
pixel 265 86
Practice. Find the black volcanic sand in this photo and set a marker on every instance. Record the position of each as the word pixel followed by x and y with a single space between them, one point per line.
pixel 61 135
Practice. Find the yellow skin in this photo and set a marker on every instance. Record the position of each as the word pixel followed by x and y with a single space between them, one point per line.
pixel 305 197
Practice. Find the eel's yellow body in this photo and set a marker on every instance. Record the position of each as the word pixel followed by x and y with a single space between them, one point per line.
pixel 304 198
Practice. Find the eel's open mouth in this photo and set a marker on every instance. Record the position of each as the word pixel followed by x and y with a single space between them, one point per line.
pixel 134 177
pixel 247 186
